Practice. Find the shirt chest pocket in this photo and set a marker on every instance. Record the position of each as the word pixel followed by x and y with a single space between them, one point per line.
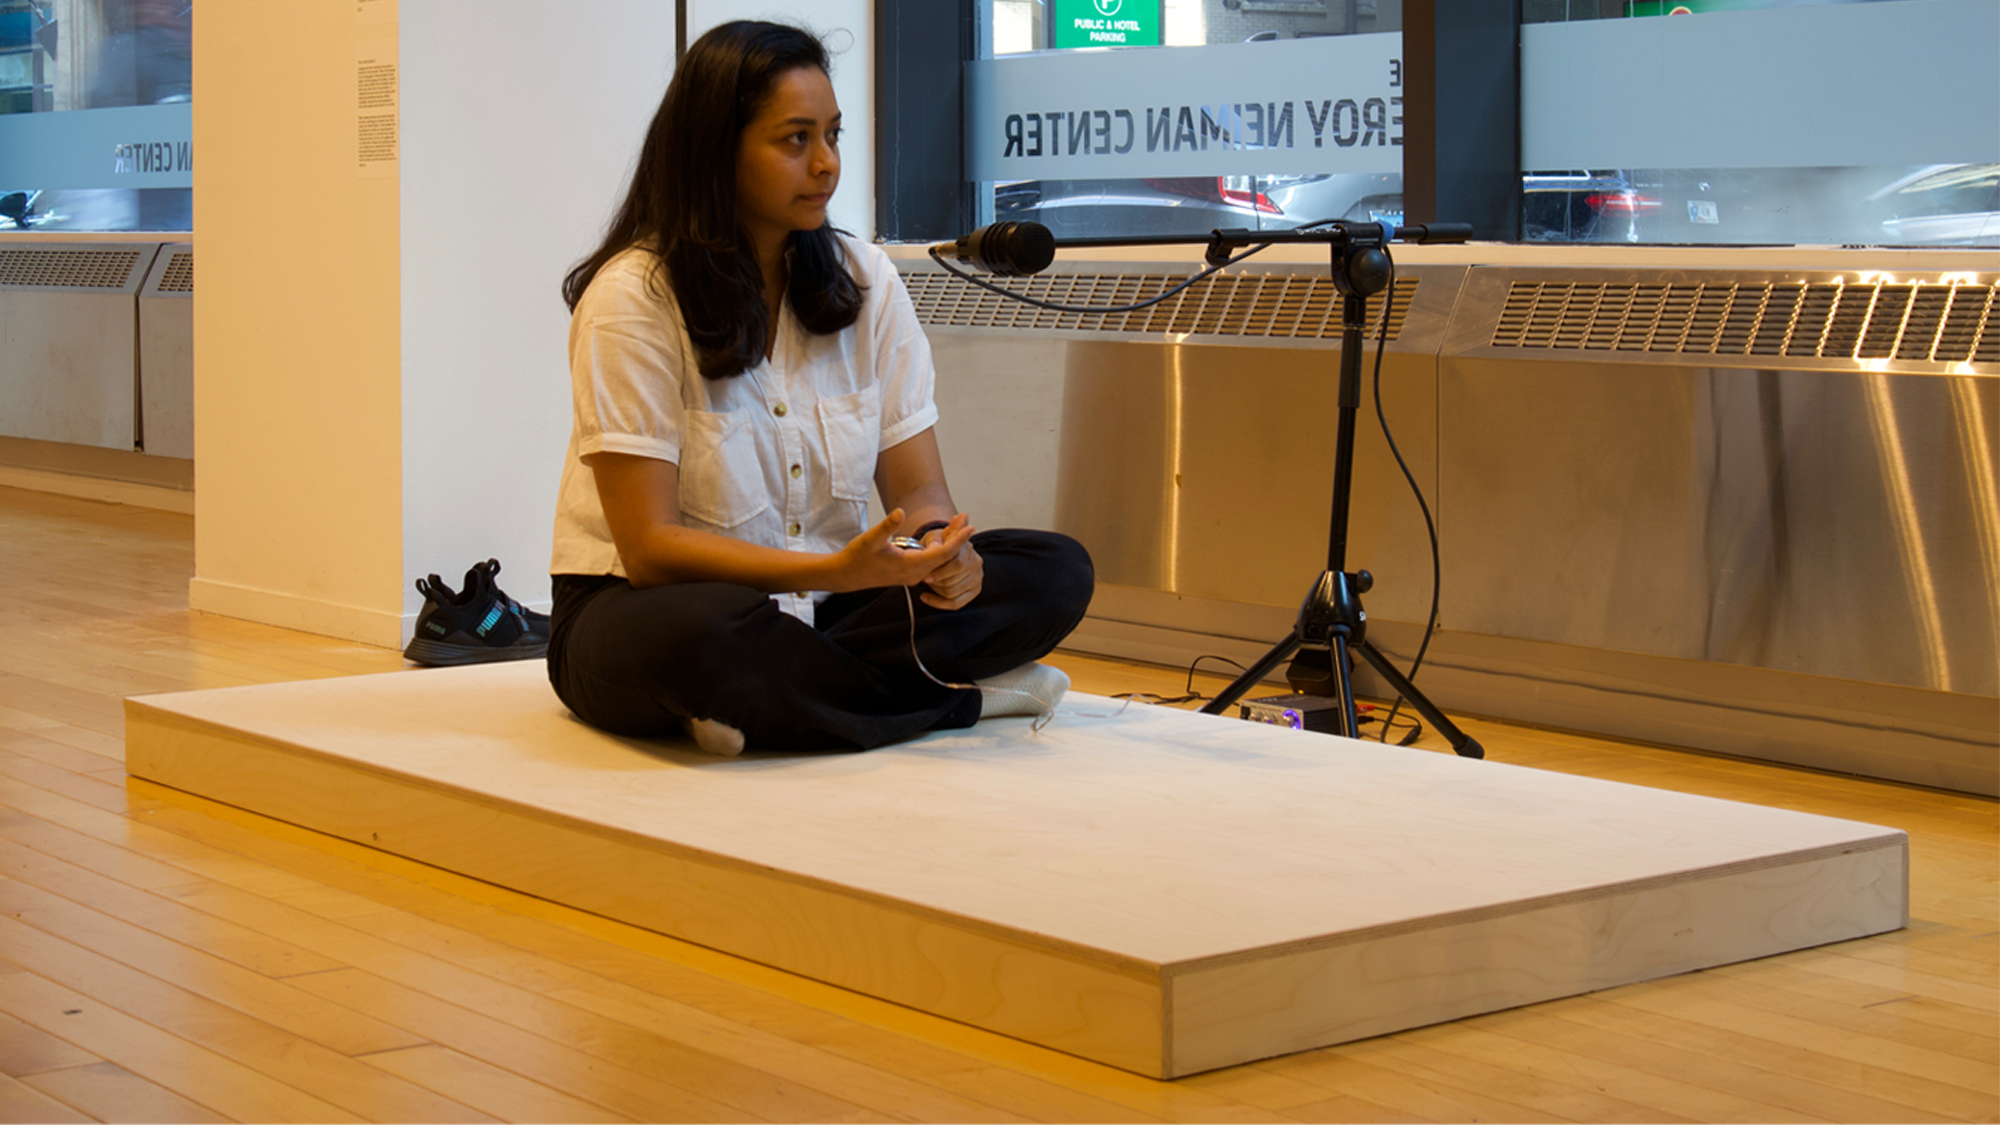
pixel 852 426
pixel 721 480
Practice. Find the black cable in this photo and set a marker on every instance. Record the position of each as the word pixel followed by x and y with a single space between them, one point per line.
pixel 1430 526
pixel 1197 664
pixel 1110 310
pixel 1090 309
pixel 1191 696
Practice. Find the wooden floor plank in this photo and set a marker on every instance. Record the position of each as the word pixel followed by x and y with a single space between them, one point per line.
pixel 111 860
pixel 28 1050
pixel 124 847
pixel 1875 1014
pixel 231 985
pixel 1739 1017
pixel 1581 1026
pixel 1414 1056
pixel 1254 1085
pixel 76 786
pixel 22 1102
pixel 111 747
pixel 1559 1027
pixel 633 1092
pixel 37 696
pixel 1343 1107
pixel 300 1063
pixel 1943 961
pixel 823 1071
pixel 14 719
pixel 109 1092
pixel 236 944
pixel 1895 1096
pixel 46 750
pixel 1644 1086
pixel 1341 1074
pixel 485 1087
pixel 171 1062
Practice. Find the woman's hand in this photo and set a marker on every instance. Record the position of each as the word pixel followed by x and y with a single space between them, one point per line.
pixel 870 560
pixel 911 475
pixel 960 578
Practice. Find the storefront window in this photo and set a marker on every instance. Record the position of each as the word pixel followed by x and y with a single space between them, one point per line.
pixel 1137 118
pixel 1864 122
pixel 95 115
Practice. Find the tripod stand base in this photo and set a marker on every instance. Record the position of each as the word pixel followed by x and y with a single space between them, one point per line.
pixel 1464 745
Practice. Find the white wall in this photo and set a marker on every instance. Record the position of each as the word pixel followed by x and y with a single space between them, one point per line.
pixel 519 134
pixel 518 143
pixel 380 372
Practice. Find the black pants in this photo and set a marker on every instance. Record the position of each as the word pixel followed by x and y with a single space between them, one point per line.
pixel 636 662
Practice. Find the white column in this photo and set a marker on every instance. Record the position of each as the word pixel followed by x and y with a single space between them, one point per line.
pixel 298 439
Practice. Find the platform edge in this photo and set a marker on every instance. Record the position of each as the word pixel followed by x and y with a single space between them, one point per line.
pixel 958 969
pixel 1239 1012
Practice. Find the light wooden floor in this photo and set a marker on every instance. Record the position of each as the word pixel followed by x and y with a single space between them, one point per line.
pixel 163 958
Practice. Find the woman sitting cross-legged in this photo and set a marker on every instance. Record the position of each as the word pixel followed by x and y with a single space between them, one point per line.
pixel 742 374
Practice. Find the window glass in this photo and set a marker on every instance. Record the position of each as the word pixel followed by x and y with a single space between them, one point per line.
pixel 95 119
pixel 1751 121
pixel 1215 142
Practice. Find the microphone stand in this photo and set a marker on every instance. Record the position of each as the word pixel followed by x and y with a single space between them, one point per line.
pixel 1331 616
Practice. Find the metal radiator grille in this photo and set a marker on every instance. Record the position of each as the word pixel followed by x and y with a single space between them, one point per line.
pixel 179 275
pixel 1944 322
pixel 1275 305
pixel 70 269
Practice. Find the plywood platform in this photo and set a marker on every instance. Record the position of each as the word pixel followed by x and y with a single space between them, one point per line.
pixel 1162 891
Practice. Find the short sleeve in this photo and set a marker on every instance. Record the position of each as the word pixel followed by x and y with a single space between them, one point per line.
pixel 628 358
pixel 903 352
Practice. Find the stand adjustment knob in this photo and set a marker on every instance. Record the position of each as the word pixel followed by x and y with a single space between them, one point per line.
pixel 1363 582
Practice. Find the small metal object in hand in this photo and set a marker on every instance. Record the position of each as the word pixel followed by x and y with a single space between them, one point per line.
pixel 906 543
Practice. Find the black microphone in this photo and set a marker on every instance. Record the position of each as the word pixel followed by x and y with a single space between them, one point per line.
pixel 1006 249
pixel 1435 232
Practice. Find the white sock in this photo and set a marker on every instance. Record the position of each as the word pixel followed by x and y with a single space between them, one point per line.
pixel 718 738
pixel 1031 689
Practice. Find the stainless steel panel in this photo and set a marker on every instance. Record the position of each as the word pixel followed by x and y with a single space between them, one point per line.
pixel 1788 556
pixel 1197 465
pixel 1000 401
pixel 1832 524
pixel 1208 471
pixel 68 343
pixel 166 354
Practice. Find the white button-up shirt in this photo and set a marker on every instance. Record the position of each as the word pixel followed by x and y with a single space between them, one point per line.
pixel 782 455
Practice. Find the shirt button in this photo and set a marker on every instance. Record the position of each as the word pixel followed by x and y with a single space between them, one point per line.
pixel 798 471
pixel 779 410
pixel 794 530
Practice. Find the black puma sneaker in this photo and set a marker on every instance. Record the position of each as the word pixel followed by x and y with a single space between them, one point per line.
pixel 477 625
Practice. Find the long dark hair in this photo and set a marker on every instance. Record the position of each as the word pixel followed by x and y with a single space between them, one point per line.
pixel 682 203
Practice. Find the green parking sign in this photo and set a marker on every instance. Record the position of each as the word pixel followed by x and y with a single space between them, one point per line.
pixel 1104 23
